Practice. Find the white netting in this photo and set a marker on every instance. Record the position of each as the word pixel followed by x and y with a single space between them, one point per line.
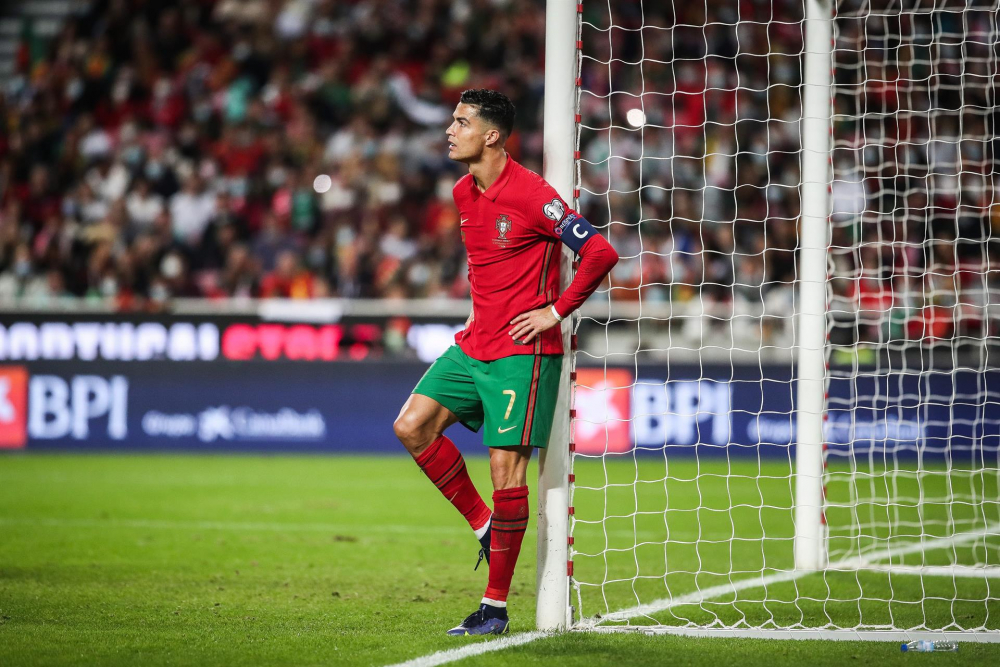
pixel 685 419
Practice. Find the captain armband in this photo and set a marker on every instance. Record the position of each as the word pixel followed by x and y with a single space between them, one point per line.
pixel 574 230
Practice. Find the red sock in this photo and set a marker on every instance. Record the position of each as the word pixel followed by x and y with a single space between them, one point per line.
pixel 444 466
pixel 510 519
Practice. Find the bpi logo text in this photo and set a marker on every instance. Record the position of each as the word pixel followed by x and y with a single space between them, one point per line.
pixel 58 408
pixel 48 407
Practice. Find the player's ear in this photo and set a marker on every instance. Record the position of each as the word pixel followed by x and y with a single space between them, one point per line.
pixel 493 137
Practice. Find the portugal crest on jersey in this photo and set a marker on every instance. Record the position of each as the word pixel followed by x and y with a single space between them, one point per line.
pixel 503 227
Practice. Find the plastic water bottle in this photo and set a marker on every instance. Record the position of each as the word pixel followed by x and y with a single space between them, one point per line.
pixel 924 646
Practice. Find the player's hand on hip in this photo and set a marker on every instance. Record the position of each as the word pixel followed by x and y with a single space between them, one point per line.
pixel 527 325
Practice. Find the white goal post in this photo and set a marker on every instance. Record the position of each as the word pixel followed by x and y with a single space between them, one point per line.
pixel 559 169
pixel 787 424
pixel 810 538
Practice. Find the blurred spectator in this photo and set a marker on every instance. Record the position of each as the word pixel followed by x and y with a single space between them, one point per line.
pixel 143 205
pixel 289 280
pixel 191 209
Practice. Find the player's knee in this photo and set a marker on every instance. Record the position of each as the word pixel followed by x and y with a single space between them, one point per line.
pixel 403 428
pixel 409 430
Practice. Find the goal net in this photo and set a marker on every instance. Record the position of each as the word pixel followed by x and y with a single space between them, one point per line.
pixel 699 502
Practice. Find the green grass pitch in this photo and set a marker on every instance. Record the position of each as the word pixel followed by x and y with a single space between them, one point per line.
pixel 287 560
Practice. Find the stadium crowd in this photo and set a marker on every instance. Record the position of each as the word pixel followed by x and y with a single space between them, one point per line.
pixel 170 149
pixel 165 150
pixel 704 200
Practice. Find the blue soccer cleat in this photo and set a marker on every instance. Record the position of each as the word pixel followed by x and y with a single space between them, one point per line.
pixel 487 620
pixel 484 545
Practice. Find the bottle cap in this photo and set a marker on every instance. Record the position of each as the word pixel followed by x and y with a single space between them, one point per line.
pixel 903 647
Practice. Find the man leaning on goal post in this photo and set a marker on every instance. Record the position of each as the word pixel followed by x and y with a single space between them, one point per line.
pixel 502 373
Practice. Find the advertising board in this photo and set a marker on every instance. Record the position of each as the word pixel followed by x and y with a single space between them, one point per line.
pixel 340 407
pixel 349 407
pixel 749 410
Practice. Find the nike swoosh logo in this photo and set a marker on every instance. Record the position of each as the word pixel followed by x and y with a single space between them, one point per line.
pixel 463 221
pixel 504 430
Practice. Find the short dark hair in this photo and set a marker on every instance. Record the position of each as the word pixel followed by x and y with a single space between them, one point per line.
pixel 492 106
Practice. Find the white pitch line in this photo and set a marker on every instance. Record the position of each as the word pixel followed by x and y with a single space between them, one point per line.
pixel 698 596
pixel 931 544
pixel 846 564
pixel 451 655
pixel 957 571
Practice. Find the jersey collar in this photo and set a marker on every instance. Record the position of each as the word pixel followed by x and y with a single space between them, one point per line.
pixel 494 190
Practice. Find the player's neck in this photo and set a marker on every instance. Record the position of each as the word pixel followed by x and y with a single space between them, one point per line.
pixel 488 168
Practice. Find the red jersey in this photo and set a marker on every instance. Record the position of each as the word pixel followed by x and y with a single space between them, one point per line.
pixel 513 251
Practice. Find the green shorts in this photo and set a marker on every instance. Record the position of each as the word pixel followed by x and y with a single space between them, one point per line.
pixel 515 396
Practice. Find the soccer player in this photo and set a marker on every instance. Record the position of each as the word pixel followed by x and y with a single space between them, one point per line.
pixel 503 372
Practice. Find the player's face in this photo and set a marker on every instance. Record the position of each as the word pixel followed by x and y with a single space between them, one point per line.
pixel 466 134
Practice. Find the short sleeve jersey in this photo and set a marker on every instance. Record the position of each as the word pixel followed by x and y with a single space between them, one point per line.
pixel 511 234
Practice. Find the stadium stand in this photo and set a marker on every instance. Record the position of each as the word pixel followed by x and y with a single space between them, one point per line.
pixel 159 150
